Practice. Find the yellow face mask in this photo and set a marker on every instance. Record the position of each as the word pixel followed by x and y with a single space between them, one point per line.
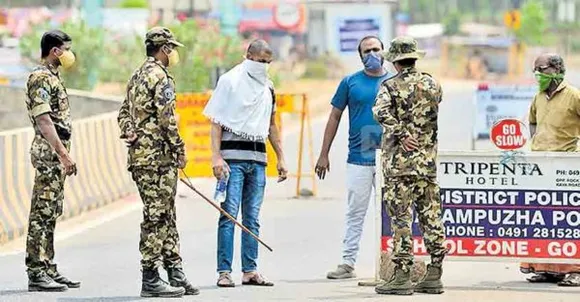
pixel 67 59
pixel 173 58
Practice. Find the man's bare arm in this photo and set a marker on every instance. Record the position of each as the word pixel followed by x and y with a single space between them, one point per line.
pixel 330 131
pixel 216 139
pixel 219 166
pixel 323 164
pixel 274 138
pixel 276 142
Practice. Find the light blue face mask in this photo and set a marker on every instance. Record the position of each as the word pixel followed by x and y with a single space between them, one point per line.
pixel 373 61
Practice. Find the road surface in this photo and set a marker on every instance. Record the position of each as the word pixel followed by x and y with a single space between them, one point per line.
pixel 305 234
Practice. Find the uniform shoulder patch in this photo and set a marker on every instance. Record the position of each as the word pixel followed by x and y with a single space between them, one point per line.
pixel 43 94
pixel 168 93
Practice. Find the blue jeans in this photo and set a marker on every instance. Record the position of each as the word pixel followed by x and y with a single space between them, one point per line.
pixel 246 187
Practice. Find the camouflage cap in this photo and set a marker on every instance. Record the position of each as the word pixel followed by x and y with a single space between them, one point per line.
pixel 403 48
pixel 161 35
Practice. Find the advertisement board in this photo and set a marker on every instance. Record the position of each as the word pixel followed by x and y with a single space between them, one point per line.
pixel 526 209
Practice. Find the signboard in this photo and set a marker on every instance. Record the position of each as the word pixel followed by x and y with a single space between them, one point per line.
pixel 513 19
pixel 525 210
pixel 508 134
pixel 496 102
pixel 194 129
pixel 260 15
pixel 352 30
pixel 288 15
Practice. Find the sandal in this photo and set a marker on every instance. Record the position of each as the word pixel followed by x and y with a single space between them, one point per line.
pixel 257 280
pixel 225 280
pixel 572 279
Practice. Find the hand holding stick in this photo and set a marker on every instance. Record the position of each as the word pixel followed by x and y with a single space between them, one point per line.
pixel 188 183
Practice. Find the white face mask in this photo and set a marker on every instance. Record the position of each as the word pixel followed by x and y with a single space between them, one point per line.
pixel 257 70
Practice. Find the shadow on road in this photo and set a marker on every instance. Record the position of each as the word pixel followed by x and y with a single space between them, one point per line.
pixel 107 299
pixel 517 286
pixel 12 292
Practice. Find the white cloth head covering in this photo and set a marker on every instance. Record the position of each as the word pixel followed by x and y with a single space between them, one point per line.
pixel 242 101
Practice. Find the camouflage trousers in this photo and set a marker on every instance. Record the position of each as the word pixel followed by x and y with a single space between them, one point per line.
pixel 400 194
pixel 45 208
pixel 159 242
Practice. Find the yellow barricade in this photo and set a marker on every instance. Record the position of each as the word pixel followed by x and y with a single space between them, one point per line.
pixel 102 172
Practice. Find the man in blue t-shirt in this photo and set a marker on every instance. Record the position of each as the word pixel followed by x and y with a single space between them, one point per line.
pixel 357 92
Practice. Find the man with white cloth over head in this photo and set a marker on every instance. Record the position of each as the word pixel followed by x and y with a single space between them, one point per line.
pixel 242 112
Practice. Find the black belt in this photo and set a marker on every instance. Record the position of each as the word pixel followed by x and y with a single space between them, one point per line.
pixel 243 145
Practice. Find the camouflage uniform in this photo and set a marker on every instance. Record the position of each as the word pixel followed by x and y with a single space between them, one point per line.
pixel 407 105
pixel 45 93
pixel 148 111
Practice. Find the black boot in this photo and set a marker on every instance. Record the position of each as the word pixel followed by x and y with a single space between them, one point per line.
pixel 41 282
pixel 431 284
pixel 154 286
pixel 58 278
pixel 177 278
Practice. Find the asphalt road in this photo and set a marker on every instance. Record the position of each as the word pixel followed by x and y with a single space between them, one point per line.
pixel 305 234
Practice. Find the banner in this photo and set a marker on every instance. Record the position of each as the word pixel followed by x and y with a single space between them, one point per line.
pixel 194 129
pixel 496 102
pixel 526 209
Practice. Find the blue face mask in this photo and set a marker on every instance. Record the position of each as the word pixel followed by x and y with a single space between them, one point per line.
pixel 373 61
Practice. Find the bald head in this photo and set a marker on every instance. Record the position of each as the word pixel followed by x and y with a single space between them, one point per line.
pixel 550 63
pixel 259 51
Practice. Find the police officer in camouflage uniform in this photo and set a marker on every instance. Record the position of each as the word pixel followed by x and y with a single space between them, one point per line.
pixel 49 112
pixel 156 151
pixel 407 106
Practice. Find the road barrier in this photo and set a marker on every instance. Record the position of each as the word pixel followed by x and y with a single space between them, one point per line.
pixel 102 175
pixel 499 206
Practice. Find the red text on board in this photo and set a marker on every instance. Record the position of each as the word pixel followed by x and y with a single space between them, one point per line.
pixel 508 134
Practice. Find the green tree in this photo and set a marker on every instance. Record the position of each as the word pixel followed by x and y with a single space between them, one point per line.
pixel 452 24
pixel 87 45
pixel 134 4
pixel 114 58
pixel 533 23
pixel 124 54
pixel 205 49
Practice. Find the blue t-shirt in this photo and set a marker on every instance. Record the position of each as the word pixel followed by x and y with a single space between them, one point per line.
pixel 358 92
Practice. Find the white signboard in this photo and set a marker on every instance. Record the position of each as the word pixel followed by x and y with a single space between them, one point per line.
pixel 495 208
pixel 496 102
